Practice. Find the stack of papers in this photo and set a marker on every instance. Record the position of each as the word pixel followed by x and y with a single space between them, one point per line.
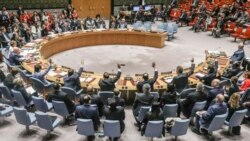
pixel 38 40
pixel 199 74
pixel 86 79
pixel 168 79
pixel 30 90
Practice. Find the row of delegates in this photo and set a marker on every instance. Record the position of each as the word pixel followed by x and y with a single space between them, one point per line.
pixel 86 111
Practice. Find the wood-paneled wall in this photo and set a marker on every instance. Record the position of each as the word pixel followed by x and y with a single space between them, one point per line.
pixel 92 7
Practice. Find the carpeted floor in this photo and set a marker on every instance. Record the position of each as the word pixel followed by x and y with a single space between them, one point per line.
pixel 178 51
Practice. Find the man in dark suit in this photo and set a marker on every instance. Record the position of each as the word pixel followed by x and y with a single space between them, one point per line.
pixel 204 118
pixel 146 99
pixel 107 83
pixel 117 99
pixel 72 80
pixel 232 71
pixel 238 54
pixel 59 95
pixel 146 80
pixel 15 58
pixel 211 74
pixel 40 75
pixel 8 81
pixel 115 113
pixel 181 80
pixel 197 96
pixel 4 38
pixel 217 89
pixel 85 111
pixel 95 99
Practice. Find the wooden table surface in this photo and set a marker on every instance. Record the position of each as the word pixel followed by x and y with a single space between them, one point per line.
pixel 48 47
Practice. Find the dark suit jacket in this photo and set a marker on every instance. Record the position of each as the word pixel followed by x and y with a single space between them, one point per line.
pixel 181 81
pixel 188 104
pixel 88 112
pixel 3 40
pixel 168 98
pixel 95 99
pixel 61 96
pixel 213 110
pixel 142 100
pixel 231 72
pixel 117 114
pixel 238 55
pixel 15 59
pixel 109 84
pixel 73 80
pixel 233 88
pixel 149 81
pixel 118 100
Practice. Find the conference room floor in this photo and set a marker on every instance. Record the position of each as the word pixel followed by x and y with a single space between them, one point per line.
pixel 10 130
pixel 138 59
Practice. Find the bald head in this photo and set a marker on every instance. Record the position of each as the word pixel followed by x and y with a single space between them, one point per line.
pixel 220 98
pixel 215 83
pixel 16 50
pixel 90 89
pixel 241 46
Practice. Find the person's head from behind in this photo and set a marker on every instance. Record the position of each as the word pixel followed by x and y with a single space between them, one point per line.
pixel 220 98
pixel 112 104
pixel 90 89
pixel 247 75
pixel 145 76
pixel 215 83
pixel 70 72
pixel 199 87
pixel 234 80
pixel 116 92
pixel 13 43
pixel 37 68
pixel 240 46
pixel 13 71
pixel 106 75
pixel 85 99
pixel 56 86
pixel 179 69
pixel 234 100
pixel 170 88
pixel 146 88
pixel 155 107
pixel 16 50
pixel 18 82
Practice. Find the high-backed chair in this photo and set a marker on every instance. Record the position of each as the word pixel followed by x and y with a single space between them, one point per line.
pixel 60 109
pixel 236 119
pixel 111 129
pixel 41 104
pixel 20 99
pixel 154 129
pixel 44 121
pixel 71 92
pixel 245 96
pixel 85 127
pixel 6 93
pixel 170 31
pixel 179 128
pixel 23 117
pixel 5 112
pixel 105 95
pixel 198 106
pixel 40 87
pixel 24 76
pixel 170 110
pixel 186 92
pixel 216 123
